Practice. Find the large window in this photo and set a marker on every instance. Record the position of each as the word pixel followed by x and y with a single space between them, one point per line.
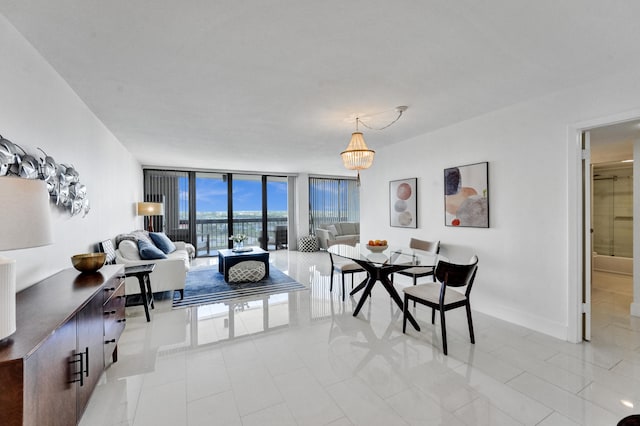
pixel 205 208
pixel 333 200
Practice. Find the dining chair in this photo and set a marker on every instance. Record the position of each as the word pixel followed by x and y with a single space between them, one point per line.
pixel 420 271
pixel 341 265
pixel 442 297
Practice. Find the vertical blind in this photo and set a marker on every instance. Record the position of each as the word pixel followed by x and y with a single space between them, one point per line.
pixel 333 200
pixel 171 188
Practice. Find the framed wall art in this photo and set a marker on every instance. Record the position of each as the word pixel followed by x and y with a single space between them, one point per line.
pixel 403 203
pixel 466 196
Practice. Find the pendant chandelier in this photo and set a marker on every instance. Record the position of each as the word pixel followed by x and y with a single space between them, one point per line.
pixel 358 156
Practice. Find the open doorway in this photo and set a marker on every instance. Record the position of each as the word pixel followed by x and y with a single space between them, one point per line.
pixel 611 230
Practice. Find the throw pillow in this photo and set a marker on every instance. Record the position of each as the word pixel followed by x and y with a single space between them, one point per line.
pixel 149 252
pixel 129 249
pixel 163 242
pixel 122 237
pixel 348 228
pixel 141 234
pixel 332 230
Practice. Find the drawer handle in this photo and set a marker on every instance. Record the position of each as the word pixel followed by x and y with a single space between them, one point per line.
pixel 78 373
pixel 110 312
pixel 110 289
pixel 122 320
pixel 110 341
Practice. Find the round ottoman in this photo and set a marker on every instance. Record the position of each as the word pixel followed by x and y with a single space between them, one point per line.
pixel 308 243
pixel 247 271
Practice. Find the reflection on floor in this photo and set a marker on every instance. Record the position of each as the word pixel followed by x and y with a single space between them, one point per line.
pixel 303 359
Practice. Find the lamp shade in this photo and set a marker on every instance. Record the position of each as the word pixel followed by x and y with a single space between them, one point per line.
pixel 150 209
pixel 357 156
pixel 26 222
pixel 25 215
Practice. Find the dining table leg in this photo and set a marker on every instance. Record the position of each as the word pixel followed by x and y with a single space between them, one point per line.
pixel 381 273
pixel 360 286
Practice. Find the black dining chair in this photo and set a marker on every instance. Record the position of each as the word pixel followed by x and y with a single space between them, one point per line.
pixel 442 296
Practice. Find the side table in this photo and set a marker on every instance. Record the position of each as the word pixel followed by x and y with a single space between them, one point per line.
pixel 142 273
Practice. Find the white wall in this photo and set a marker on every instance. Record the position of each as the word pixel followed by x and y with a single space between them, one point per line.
pixel 38 109
pixel 528 255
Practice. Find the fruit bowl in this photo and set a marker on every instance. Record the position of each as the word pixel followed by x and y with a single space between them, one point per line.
pixel 88 262
pixel 376 249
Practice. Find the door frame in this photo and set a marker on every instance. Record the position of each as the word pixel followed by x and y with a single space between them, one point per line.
pixel 575 214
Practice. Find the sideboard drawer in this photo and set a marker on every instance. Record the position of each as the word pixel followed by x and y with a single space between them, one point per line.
pixel 114 319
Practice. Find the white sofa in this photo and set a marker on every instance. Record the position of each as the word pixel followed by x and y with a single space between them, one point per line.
pixel 169 274
pixel 336 232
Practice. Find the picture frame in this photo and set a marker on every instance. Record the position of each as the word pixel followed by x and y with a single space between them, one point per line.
pixel 403 203
pixel 466 196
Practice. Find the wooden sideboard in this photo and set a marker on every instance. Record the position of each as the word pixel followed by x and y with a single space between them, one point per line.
pixel 68 326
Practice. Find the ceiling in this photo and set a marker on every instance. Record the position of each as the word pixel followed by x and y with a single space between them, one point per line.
pixel 275 86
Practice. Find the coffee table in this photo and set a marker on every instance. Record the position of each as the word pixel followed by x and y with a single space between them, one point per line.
pixel 227 258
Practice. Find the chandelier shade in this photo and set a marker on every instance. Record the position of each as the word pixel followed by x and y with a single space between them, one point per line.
pixel 357 156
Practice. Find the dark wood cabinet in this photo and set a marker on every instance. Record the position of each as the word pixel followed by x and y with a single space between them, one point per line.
pixel 90 324
pixel 114 320
pixel 51 364
pixel 49 376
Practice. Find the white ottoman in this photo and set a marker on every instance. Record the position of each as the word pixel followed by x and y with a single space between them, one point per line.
pixel 247 271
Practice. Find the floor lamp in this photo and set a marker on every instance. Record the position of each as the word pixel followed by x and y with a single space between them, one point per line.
pixel 26 220
pixel 150 209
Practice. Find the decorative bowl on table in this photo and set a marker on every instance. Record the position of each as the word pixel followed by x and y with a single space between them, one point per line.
pixel 377 248
pixel 88 262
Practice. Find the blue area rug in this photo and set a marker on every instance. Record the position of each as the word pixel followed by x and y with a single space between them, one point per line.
pixel 205 286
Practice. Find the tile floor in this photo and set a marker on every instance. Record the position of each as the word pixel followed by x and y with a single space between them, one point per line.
pixel 303 359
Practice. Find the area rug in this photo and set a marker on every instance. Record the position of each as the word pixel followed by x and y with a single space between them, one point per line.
pixel 205 286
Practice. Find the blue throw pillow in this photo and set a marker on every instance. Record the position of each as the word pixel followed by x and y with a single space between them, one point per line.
pixel 162 242
pixel 149 252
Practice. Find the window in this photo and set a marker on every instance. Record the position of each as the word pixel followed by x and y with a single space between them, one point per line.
pixel 205 208
pixel 333 200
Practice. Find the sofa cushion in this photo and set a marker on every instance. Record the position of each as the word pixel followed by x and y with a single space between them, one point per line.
pixel 149 252
pixel 162 242
pixel 332 230
pixel 129 249
pixel 348 228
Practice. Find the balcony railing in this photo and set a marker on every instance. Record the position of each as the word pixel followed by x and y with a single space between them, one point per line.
pixel 213 234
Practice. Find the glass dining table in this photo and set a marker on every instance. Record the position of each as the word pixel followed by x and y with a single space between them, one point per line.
pixel 379 266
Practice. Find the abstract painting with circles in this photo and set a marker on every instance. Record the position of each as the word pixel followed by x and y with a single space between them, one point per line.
pixel 403 203
pixel 466 196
